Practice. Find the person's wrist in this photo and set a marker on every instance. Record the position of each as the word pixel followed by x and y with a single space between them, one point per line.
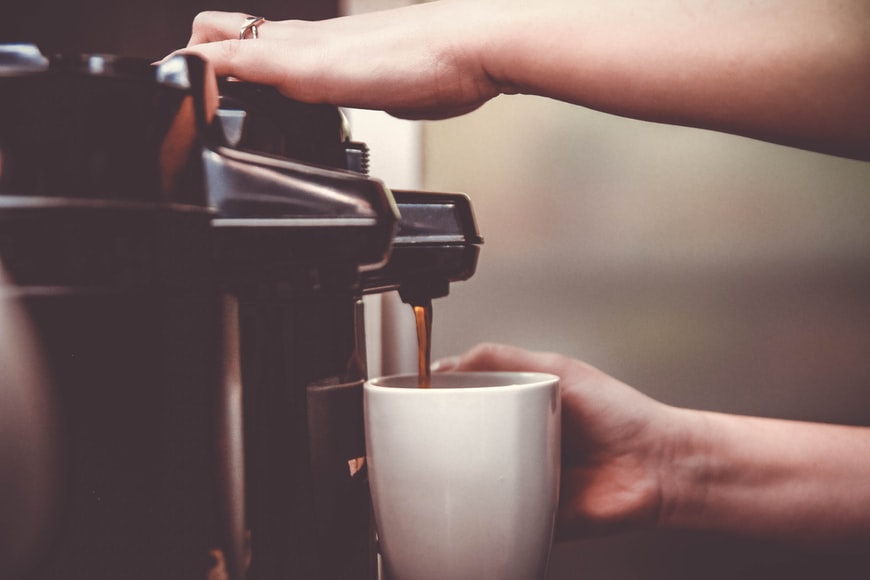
pixel 495 35
pixel 475 35
pixel 684 470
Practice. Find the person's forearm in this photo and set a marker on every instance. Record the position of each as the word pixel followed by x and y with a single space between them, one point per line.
pixel 792 481
pixel 790 71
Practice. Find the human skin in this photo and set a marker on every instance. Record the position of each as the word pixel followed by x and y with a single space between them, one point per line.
pixel 795 72
pixel 630 462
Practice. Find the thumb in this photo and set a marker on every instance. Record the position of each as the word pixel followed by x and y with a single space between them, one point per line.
pixel 501 357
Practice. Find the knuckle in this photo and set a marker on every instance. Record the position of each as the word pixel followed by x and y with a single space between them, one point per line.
pixel 487 352
pixel 211 25
pixel 486 349
pixel 205 20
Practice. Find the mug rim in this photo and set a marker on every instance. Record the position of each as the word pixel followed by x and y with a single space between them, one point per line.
pixel 408 382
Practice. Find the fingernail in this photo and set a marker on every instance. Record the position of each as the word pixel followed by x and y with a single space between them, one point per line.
pixel 445 364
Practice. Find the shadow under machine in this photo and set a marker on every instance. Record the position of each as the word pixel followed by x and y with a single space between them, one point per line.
pixel 184 260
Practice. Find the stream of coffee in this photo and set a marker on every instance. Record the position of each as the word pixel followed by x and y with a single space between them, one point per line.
pixel 423 316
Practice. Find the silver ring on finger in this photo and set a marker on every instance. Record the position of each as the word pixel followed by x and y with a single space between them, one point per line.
pixel 249 28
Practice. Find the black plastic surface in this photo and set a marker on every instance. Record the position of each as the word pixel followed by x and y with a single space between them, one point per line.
pixel 437 243
pixel 101 127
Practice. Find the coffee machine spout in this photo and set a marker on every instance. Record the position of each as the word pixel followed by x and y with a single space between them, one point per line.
pixel 437 243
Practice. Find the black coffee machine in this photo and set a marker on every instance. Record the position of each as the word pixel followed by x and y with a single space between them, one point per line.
pixel 189 257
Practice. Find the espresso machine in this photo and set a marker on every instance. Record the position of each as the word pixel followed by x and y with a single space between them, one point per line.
pixel 186 258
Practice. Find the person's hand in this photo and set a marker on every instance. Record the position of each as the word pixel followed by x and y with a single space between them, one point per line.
pixel 414 62
pixel 615 441
pixel 732 66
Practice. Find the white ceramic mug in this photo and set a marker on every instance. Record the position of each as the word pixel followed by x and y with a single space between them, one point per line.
pixel 464 474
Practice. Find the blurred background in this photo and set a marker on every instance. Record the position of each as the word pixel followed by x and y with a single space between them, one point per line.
pixel 706 270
